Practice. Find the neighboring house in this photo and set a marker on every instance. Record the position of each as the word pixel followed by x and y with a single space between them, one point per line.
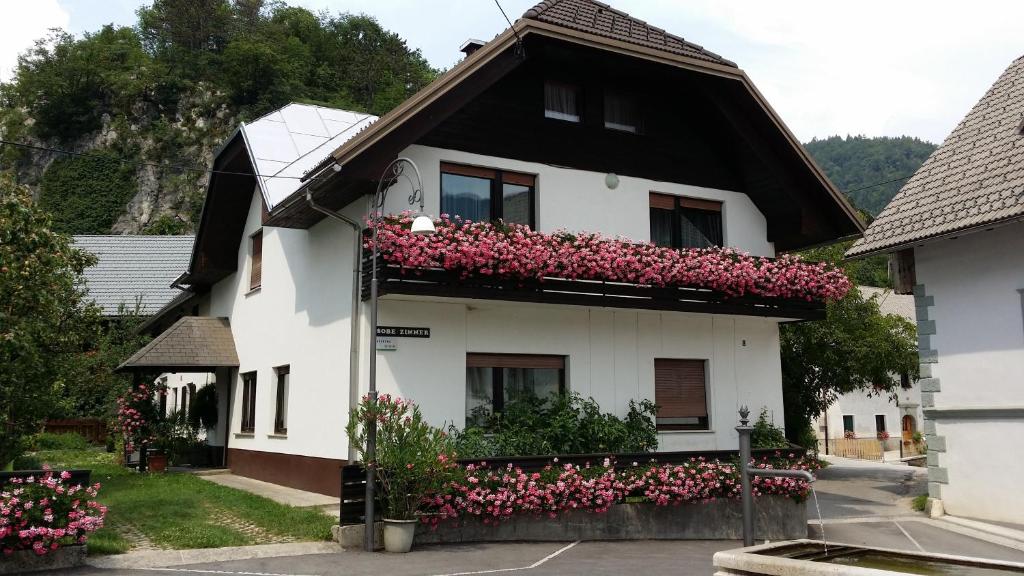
pixel 868 416
pixel 956 231
pixel 580 118
pixel 136 275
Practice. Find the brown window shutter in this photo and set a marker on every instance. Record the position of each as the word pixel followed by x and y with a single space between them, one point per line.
pixel 700 204
pixel 518 178
pixel 663 201
pixel 515 361
pixel 461 170
pixel 680 393
pixel 256 275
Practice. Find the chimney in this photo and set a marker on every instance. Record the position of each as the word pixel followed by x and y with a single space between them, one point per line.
pixel 470 46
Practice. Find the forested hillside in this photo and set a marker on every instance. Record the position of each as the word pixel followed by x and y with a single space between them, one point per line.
pixel 856 162
pixel 148 104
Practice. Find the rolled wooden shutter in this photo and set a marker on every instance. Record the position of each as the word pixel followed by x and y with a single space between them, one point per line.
pixel 256 275
pixel 680 388
pixel 700 204
pixel 515 361
pixel 663 201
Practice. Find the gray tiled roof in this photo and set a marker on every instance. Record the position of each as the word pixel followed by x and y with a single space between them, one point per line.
pixel 892 303
pixel 191 342
pixel 603 20
pixel 134 268
pixel 975 178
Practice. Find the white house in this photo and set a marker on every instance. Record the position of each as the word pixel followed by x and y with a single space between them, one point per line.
pixel 578 118
pixel 870 415
pixel 958 242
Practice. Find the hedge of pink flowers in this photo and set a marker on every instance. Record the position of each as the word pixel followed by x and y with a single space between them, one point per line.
pixel 42 513
pixel 498 494
pixel 516 252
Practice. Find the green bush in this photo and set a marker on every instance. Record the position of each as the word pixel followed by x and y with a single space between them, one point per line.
pixel 50 441
pixel 562 424
pixel 28 462
pixel 766 434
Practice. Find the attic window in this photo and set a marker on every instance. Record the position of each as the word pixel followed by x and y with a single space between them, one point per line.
pixel 620 112
pixel 561 101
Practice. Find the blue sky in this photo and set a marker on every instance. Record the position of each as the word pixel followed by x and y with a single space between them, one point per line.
pixel 873 67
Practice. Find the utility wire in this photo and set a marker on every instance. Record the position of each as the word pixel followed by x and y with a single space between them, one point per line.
pixel 182 167
pixel 520 50
pixel 197 169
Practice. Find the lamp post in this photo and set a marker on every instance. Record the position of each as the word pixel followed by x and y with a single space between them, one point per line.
pixel 421 225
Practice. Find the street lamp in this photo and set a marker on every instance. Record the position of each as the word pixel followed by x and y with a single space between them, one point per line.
pixel 421 225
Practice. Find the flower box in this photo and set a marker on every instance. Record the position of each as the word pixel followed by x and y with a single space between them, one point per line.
pixel 27 561
pixel 777 518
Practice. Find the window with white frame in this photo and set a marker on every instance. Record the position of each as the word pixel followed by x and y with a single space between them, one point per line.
pixel 494 381
pixel 561 101
pixel 281 403
pixel 680 392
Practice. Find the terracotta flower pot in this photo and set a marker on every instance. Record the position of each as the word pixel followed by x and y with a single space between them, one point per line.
pixel 398 535
pixel 157 462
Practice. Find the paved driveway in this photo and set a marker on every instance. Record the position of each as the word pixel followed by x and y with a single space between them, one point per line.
pixel 861 503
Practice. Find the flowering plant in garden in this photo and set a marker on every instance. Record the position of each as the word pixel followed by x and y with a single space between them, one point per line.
pixel 498 494
pixel 412 459
pixel 514 251
pixel 42 513
pixel 138 414
pixel 850 435
pixel 883 435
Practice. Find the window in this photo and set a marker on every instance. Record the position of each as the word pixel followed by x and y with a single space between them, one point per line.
pixel 680 391
pixel 561 101
pixel 879 423
pixel 905 381
pixel 620 112
pixel 281 410
pixel 485 194
pixel 163 401
pixel 184 400
pixel 495 380
pixel 847 424
pixel 256 272
pixel 678 222
pixel 248 402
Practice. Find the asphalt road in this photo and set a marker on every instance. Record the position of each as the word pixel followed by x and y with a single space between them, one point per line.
pixel 860 504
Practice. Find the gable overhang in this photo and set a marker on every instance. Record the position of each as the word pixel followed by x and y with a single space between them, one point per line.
pixel 362 157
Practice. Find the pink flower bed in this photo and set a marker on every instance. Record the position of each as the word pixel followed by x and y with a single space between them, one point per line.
pixel 42 513
pixel 516 252
pixel 499 494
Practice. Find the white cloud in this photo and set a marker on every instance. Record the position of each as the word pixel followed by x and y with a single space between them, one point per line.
pixel 22 23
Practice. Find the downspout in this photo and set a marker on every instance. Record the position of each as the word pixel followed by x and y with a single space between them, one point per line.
pixel 357 268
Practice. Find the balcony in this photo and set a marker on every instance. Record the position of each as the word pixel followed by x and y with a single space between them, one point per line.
pixel 513 263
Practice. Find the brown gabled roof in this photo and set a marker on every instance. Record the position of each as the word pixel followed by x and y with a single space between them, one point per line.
pixel 975 179
pixel 196 343
pixel 603 20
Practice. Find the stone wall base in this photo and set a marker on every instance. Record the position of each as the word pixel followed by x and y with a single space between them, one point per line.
pixel 26 561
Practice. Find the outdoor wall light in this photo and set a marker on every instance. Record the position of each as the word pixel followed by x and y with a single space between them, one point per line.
pixel 611 181
pixel 423 225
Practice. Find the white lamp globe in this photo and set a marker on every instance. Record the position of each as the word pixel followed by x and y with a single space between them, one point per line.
pixel 423 226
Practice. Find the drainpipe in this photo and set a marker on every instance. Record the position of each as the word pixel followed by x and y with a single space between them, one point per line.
pixel 357 231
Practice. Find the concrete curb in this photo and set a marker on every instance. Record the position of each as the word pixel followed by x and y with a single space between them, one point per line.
pixel 993 529
pixel 164 558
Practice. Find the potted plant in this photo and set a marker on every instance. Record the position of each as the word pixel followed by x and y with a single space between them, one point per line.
pixel 411 462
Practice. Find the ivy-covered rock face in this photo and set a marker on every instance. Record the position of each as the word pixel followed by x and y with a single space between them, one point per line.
pixel 86 194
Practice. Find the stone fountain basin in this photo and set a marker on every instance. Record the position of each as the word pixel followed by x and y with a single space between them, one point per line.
pixel 807 558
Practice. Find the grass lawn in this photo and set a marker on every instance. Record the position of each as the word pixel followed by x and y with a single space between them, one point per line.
pixel 181 510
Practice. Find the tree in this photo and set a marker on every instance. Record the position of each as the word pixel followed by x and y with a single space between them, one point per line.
pixel 44 315
pixel 855 347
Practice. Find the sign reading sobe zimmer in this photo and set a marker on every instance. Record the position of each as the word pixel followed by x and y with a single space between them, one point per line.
pixel 402 332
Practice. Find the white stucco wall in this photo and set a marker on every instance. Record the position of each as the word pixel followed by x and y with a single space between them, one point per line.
pixel 610 357
pixel 979 337
pixel 579 200
pixel 863 408
pixel 298 317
